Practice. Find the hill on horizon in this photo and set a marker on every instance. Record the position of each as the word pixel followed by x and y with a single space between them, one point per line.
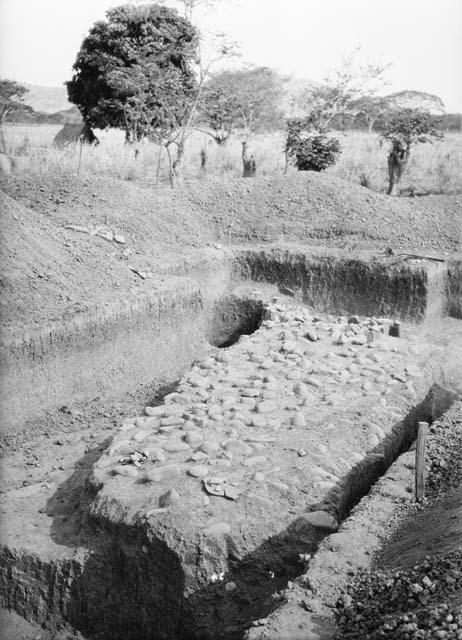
pixel 51 100
pixel 46 99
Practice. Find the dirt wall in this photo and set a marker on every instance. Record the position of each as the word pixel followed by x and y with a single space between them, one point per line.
pixel 454 289
pixel 336 283
pixel 103 353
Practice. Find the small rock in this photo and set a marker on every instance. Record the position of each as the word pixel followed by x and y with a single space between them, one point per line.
pixel 127 471
pixel 266 407
pixel 171 421
pixel 198 471
pixel 289 346
pixel 210 447
pixel 312 336
pixel 193 439
pixel 199 455
pixel 232 493
pixel 255 461
pixel 250 393
pixel 170 498
pixel 301 389
pixel 175 447
pixel 156 454
pixel 320 520
pixel 238 447
pixel 230 586
pixel 299 420
pixel 314 382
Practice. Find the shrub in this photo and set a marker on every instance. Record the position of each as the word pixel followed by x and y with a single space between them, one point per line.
pixel 310 151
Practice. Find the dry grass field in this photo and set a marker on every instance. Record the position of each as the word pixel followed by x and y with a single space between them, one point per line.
pixel 436 168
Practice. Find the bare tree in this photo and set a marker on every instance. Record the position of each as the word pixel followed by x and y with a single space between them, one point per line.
pixel 221 47
pixel 343 86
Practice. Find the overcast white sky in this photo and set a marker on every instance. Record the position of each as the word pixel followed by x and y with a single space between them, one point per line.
pixel 422 38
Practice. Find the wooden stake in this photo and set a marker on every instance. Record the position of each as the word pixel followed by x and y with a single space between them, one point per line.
pixel 422 431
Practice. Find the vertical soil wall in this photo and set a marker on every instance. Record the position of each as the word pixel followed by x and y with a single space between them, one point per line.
pixel 454 289
pixel 103 353
pixel 332 282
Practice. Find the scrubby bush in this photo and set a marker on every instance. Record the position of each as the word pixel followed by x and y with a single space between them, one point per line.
pixel 310 151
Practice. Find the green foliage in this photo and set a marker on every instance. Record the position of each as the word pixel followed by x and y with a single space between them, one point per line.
pixel 405 127
pixel 310 150
pixel 246 99
pixel 134 71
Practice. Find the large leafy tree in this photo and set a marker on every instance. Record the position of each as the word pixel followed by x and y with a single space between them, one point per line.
pixel 134 71
pixel 403 129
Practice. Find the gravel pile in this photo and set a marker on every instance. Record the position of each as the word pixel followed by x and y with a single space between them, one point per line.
pixel 405 604
pixel 422 602
pixel 444 462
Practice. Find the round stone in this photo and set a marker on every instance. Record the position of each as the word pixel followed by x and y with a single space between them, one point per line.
pixel 198 471
pixel 192 438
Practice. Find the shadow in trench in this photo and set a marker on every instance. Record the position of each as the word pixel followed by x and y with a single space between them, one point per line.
pixel 231 317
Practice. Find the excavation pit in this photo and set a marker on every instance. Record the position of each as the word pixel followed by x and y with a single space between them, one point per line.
pixel 230 318
pixel 198 511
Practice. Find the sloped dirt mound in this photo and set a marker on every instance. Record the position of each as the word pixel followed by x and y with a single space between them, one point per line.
pixel 80 242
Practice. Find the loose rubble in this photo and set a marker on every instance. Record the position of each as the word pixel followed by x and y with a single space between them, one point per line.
pixel 422 602
pixel 414 603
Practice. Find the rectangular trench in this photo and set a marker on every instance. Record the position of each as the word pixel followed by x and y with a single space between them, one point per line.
pixel 130 584
pixel 157 337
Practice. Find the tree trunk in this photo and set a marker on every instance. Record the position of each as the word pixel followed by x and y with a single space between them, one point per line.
pixel 286 161
pixel 176 166
pixel 2 137
pixel 397 161
pixel 159 161
pixel 248 163
pixel 204 160
pixel 171 171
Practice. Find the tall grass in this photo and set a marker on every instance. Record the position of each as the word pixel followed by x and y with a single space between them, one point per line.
pixel 436 167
